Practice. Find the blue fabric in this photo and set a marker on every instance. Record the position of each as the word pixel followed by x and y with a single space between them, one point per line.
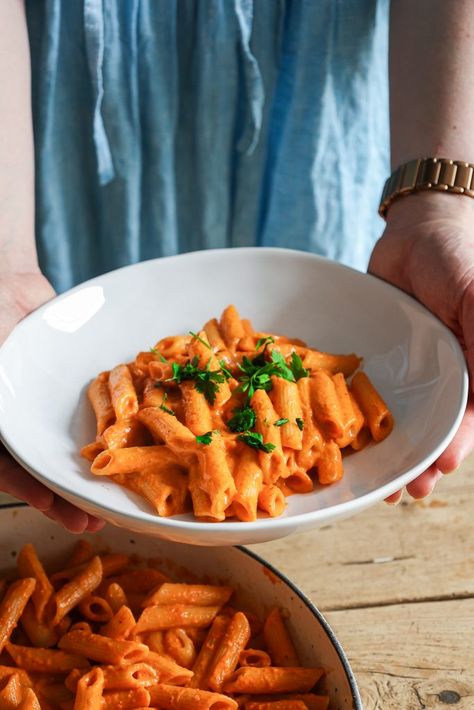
pixel 164 126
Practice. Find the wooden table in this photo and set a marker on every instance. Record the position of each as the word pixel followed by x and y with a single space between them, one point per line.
pixel 397 586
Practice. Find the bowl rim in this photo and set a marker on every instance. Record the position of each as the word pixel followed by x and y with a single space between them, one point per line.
pixel 282 523
pixel 356 699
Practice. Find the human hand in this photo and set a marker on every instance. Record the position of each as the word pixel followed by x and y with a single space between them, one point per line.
pixel 427 249
pixel 19 295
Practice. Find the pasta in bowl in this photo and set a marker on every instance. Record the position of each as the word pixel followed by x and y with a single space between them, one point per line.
pixel 124 621
pixel 235 418
pixel 47 363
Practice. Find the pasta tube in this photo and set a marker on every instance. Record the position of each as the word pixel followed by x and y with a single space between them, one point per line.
pixel 248 482
pixel 156 618
pixel 273 464
pixel 12 607
pixel 30 566
pixel 377 414
pixel 122 392
pixel 103 649
pixel 76 590
pixel 132 459
pixel 273 680
pixel 99 397
pixel 227 654
pixel 45 660
pixel 169 697
pixel 194 594
pixel 89 691
pixel 206 654
pixel 285 397
pixel 278 641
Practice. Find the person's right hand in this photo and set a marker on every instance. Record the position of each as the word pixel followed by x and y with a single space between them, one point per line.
pixel 19 295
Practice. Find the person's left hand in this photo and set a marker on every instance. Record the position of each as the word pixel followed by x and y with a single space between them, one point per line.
pixel 427 249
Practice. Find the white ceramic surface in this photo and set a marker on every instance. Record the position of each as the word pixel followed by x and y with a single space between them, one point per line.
pixel 259 587
pixel 46 363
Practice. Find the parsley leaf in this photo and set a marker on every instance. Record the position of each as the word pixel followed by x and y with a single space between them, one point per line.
pixel 297 368
pixel 154 351
pixel 255 440
pixel 206 381
pixel 201 340
pixel 258 372
pixel 299 423
pixel 225 371
pixel 243 419
pixel 280 362
pixel 280 422
pixel 164 407
pixel 264 341
pixel 204 438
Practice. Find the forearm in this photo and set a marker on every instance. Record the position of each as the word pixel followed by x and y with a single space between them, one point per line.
pixel 17 241
pixel 431 84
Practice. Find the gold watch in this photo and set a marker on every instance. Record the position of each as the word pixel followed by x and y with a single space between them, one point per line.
pixel 428 174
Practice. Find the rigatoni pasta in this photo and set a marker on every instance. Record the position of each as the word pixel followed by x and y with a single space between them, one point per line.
pixel 182 647
pixel 228 421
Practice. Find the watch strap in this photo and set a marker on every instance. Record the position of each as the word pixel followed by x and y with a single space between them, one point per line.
pixel 428 174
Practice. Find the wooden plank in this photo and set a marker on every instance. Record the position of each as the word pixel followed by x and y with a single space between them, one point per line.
pixel 411 656
pixel 419 550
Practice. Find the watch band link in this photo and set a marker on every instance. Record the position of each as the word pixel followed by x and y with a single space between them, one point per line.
pixel 428 174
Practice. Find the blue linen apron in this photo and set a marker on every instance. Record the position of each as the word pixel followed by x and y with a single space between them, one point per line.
pixel 165 126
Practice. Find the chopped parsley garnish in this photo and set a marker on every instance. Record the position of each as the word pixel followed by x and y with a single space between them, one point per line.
pixel 154 351
pixel 258 372
pixel 201 340
pixel 264 341
pixel 243 419
pixel 280 422
pixel 225 371
pixel 204 438
pixel 165 408
pixel 297 368
pixel 206 381
pixel 299 423
pixel 255 440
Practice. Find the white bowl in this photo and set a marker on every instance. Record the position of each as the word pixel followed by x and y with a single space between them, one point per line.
pixel 258 585
pixel 47 361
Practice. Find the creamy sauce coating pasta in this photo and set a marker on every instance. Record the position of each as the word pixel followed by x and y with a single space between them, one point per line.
pixel 228 422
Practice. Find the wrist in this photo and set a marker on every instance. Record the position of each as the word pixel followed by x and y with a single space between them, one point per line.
pixel 17 261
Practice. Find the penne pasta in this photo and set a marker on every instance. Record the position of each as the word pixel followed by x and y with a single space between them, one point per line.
pixel 226 657
pixel 120 625
pixel 29 566
pixel 179 646
pixel 45 660
pixel 374 409
pixel 122 392
pixel 193 594
pixel 248 479
pixel 273 680
pixel 99 397
pixel 169 697
pixel 188 650
pixel 157 618
pixel 89 691
pixel 278 641
pixel 73 592
pixel 229 420
pixel 102 649
pixel 12 607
